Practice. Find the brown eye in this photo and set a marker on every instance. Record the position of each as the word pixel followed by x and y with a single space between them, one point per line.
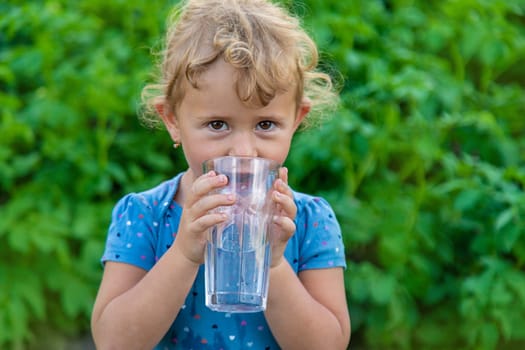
pixel 266 125
pixel 217 125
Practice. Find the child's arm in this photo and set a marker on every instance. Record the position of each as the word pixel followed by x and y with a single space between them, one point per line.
pixel 308 311
pixel 135 308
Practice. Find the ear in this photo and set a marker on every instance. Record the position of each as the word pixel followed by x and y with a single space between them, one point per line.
pixel 302 111
pixel 169 120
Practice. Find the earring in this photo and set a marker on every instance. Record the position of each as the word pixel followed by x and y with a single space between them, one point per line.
pixel 176 145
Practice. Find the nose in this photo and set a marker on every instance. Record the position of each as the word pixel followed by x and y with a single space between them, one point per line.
pixel 243 145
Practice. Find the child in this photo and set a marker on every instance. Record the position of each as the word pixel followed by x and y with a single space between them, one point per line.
pixel 238 78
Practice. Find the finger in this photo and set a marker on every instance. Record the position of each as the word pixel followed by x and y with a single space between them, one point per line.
pixel 204 222
pixel 281 186
pixel 206 183
pixel 210 202
pixel 284 227
pixel 285 204
pixel 283 174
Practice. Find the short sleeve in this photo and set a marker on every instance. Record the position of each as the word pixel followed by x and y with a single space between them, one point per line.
pixel 131 233
pixel 320 239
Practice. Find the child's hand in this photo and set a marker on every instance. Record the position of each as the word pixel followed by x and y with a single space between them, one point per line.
pixel 197 216
pixel 283 225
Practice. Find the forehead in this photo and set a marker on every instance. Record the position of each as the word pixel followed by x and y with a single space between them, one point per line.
pixel 221 78
pixel 216 94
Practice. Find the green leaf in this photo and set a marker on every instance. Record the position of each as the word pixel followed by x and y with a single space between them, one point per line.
pixel 467 199
pixel 77 298
pixel 504 218
pixel 382 288
pixel 489 336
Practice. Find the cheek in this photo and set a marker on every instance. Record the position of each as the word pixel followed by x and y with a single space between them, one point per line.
pixel 197 148
pixel 278 151
pixel 195 158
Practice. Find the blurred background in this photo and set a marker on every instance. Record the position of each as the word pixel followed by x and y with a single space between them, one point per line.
pixel 424 162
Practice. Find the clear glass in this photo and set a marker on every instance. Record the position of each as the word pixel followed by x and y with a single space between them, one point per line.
pixel 238 254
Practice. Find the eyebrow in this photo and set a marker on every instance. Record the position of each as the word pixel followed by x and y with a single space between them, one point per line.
pixel 226 117
pixel 210 116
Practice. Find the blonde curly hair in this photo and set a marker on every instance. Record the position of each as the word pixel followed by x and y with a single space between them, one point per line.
pixel 266 44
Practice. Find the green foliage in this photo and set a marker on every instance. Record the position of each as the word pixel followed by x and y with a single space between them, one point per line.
pixel 426 161
pixel 70 78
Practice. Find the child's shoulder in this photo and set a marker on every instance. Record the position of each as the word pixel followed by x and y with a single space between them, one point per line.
pixel 310 204
pixel 158 197
pixel 163 192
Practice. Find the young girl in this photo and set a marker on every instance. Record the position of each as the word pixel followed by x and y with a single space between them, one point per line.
pixel 238 78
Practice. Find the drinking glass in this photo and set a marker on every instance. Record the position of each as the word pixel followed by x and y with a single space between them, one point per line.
pixel 238 253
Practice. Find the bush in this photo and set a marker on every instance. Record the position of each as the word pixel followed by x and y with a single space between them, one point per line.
pixel 427 169
pixel 70 77
pixel 425 160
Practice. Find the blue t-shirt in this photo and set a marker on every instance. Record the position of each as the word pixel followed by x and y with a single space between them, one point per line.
pixel 143 227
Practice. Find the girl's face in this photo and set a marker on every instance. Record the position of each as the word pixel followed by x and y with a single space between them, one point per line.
pixel 212 121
